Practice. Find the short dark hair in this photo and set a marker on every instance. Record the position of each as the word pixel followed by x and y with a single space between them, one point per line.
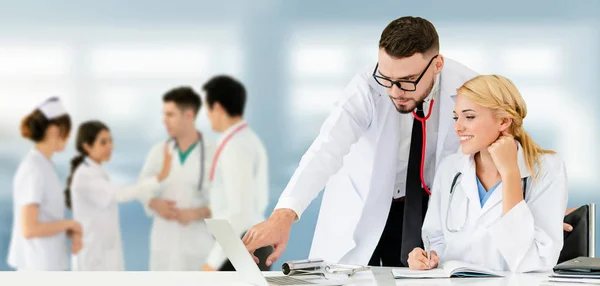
pixel 34 125
pixel 185 98
pixel 228 92
pixel 407 36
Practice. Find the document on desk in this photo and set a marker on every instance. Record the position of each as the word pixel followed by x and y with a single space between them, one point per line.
pixel 447 270
pixel 579 281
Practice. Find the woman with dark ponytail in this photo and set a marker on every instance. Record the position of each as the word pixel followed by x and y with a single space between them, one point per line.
pixel 39 235
pixel 75 162
pixel 94 199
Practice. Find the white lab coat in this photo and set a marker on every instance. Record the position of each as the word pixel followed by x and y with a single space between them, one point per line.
pixel 355 158
pixel 527 238
pixel 175 247
pixel 36 182
pixel 240 190
pixel 94 200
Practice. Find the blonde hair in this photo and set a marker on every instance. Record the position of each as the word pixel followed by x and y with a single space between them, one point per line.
pixel 502 97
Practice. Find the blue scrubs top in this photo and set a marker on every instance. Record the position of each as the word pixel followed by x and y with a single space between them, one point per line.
pixel 483 195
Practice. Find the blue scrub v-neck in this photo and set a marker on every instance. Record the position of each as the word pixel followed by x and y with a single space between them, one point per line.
pixel 483 194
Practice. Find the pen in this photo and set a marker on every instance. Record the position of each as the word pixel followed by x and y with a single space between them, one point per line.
pixel 428 250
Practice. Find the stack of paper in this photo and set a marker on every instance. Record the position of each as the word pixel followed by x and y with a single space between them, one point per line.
pixel 447 270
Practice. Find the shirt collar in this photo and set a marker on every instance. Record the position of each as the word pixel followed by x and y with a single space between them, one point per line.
pixel 175 144
pixel 37 153
pixel 434 94
pixel 230 130
pixel 95 166
pixel 468 161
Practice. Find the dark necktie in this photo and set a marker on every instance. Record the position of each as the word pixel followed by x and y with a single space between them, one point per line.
pixel 416 198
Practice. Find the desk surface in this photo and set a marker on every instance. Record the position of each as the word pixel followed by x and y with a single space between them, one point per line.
pixel 377 276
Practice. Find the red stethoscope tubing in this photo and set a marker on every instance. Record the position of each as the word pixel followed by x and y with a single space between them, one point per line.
pixel 220 149
pixel 423 119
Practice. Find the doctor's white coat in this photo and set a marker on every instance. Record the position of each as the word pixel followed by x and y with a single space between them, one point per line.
pixel 94 200
pixel 173 246
pixel 527 238
pixel 355 157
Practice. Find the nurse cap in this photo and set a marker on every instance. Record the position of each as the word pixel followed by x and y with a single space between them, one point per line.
pixel 52 108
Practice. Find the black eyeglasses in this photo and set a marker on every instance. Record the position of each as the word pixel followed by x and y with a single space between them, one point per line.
pixel 405 85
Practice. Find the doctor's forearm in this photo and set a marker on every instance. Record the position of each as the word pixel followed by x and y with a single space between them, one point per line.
pixel 31 226
pixel 198 213
pixel 203 212
pixel 45 229
pixel 512 192
pixel 285 214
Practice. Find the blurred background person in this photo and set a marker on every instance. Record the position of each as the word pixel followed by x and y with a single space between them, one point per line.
pixel 94 198
pixel 239 172
pixel 180 240
pixel 294 58
pixel 39 235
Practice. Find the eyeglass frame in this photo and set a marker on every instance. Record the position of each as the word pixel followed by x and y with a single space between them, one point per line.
pixel 398 83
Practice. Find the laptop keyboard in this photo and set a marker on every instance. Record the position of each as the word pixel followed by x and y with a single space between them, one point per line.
pixel 286 280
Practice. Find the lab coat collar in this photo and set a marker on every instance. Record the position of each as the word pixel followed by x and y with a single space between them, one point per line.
pixel 230 130
pixel 36 152
pixel 467 162
pixel 469 183
pixel 450 79
pixel 435 91
pixel 94 166
pixel 523 169
pixel 434 94
pixel 448 85
pixel 175 145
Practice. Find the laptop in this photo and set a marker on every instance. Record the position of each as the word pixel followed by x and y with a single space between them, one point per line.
pixel 580 266
pixel 244 264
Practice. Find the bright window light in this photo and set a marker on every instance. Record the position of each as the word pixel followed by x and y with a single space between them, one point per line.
pixel 309 100
pixel 545 101
pixel 126 61
pixel 28 60
pixel 542 61
pixel 472 57
pixel 318 61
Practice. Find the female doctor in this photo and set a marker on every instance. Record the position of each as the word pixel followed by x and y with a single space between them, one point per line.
pixel 39 234
pixel 94 199
pixel 500 203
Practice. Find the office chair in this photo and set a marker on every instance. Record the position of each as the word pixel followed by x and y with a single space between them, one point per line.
pixel 581 241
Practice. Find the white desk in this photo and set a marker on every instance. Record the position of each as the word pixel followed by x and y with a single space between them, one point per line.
pixel 377 276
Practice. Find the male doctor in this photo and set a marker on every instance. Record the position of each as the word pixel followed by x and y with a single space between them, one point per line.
pixel 374 158
pixel 239 172
pixel 180 240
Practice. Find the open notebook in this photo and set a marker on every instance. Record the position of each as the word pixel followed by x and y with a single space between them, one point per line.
pixel 448 269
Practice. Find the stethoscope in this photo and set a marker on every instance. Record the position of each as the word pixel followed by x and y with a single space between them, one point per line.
pixel 454 183
pixel 201 143
pixel 424 134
